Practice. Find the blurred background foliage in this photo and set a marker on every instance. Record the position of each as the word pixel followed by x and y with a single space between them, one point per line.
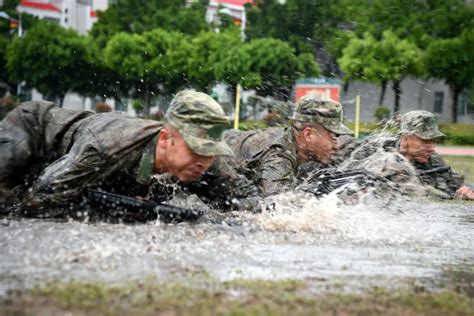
pixel 143 49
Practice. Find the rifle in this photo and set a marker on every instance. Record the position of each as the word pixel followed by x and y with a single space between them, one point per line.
pixel 422 172
pixel 327 180
pixel 132 209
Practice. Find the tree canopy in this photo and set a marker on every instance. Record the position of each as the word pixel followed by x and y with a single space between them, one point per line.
pixel 149 62
pixel 452 60
pixel 381 61
pixel 138 16
pixel 51 59
pixel 143 48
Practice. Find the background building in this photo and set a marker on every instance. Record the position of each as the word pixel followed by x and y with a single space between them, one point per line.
pixel 78 14
pixel 417 94
pixel 234 8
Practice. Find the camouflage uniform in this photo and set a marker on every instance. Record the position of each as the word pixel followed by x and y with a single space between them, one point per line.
pixel 346 144
pixel 380 154
pixel 425 125
pixel 66 151
pixel 269 156
pixel 446 182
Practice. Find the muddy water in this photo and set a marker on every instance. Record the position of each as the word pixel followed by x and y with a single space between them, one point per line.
pixel 301 237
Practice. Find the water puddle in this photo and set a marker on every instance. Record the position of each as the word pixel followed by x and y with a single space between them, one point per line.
pixel 299 237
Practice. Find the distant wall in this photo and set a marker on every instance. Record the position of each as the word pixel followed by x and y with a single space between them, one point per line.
pixel 416 95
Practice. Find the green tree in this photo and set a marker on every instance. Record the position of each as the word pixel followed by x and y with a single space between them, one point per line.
pixel 359 62
pixel 6 36
pixel 51 59
pixel 232 64
pixel 277 66
pixel 138 16
pixel 452 60
pixel 208 48
pixel 309 26
pixel 5 83
pixel 149 63
pixel 390 59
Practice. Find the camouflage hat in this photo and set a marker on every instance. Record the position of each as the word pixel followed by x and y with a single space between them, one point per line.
pixel 314 109
pixel 423 124
pixel 201 121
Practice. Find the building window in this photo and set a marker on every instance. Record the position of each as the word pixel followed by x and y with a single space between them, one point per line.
pixel 438 102
pixel 465 105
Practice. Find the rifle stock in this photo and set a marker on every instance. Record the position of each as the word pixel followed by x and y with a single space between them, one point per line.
pixel 139 210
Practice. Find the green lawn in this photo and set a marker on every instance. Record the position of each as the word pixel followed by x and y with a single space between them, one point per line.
pixel 230 298
pixel 464 165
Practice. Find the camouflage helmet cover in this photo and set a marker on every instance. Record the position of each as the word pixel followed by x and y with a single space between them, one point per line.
pixel 315 109
pixel 201 121
pixel 423 124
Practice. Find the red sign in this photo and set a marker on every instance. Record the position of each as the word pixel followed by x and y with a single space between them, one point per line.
pixel 323 90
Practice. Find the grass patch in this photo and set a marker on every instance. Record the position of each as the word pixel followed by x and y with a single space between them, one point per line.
pixel 464 165
pixel 250 125
pixel 239 297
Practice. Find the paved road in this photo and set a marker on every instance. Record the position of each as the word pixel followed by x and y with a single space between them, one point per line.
pixel 455 151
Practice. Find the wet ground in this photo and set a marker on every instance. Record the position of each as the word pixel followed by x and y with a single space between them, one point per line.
pixel 360 246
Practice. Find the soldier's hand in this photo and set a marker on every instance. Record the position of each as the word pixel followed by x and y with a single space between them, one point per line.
pixel 465 193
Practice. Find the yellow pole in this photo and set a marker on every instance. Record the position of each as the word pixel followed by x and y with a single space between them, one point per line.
pixel 357 118
pixel 237 107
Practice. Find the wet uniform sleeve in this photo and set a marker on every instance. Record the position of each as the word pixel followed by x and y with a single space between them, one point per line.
pixel 447 181
pixel 63 181
pixel 229 182
pixel 277 174
pixel 399 172
pixel 345 146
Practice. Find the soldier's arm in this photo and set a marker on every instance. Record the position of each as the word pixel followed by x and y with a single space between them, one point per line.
pixel 229 182
pixel 224 187
pixel 449 181
pixel 397 170
pixel 346 144
pixel 277 174
pixel 62 182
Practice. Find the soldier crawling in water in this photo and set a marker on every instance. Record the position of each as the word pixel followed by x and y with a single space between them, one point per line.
pixel 271 157
pixel 51 156
pixel 409 158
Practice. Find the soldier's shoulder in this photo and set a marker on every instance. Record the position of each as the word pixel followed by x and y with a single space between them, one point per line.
pixel 436 160
pixel 258 137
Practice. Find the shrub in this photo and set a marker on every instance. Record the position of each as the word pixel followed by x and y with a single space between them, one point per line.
pixel 382 113
pixel 457 134
pixel 250 125
pixel 137 105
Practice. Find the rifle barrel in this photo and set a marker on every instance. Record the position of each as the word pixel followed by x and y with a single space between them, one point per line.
pixel 434 170
pixel 141 209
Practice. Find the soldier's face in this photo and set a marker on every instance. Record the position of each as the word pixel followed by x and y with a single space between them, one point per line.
pixel 175 157
pixel 416 148
pixel 320 144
